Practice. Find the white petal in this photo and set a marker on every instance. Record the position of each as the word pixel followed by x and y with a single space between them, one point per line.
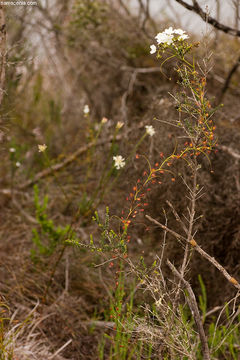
pixel 153 49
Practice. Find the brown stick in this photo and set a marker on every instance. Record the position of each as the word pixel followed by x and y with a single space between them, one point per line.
pixel 72 157
pixel 199 11
pixel 203 253
pixel 191 299
pixel 230 151
pixel 228 79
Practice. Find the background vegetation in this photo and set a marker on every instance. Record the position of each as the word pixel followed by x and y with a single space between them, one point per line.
pixel 74 287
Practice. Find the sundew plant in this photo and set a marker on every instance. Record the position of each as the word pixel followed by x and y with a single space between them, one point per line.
pixel 171 322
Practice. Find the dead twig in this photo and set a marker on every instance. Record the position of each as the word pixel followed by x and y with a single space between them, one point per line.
pixel 132 80
pixel 203 253
pixel 230 151
pixel 191 299
pixel 177 217
pixel 71 158
pixel 146 11
pixel 210 20
pixel 28 217
pixel 228 79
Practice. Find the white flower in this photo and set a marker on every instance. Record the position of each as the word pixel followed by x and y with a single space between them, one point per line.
pixel 163 38
pixel 119 162
pixel 160 38
pixel 18 164
pixel 169 31
pixel 150 130
pixel 179 31
pixel 169 35
pixel 119 125
pixel 182 34
pixel 86 110
pixel 153 49
pixel 104 120
pixel 183 37
pixel 42 148
pixel 12 150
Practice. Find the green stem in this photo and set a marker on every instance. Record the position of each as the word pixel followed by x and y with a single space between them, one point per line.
pixel 104 176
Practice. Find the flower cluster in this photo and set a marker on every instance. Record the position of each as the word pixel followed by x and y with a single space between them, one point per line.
pixel 150 130
pixel 119 125
pixel 86 110
pixel 42 148
pixel 169 37
pixel 119 162
pixel 104 120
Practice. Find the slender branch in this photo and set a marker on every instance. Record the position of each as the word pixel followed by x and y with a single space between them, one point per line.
pixel 230 151
pixel 205 16
pixel 100 324
pixel 177 217
pixel 145 10
pixel 228 79
pixel 70 158
pixel 51 278
pixel 191 299
pixel 193 195
pixel 60 350
pixel 121 3
pixel 132 80
pixel 203 253
pixel 112 325
pixel 19 207
pixel 212 311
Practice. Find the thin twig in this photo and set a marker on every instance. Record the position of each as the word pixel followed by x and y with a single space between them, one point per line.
pixel 164 242
pixel 230 151
pixel 191 299
pixel 61 349
pixel 228 79
pixel 177 217
pixel 212 311
pixel 203 253
pixel 28 217
pixel 210 20
pixel 193 194
pixel 132 80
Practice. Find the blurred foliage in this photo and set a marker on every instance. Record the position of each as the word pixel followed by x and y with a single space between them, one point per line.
pixel 50 236
pixel 88 14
